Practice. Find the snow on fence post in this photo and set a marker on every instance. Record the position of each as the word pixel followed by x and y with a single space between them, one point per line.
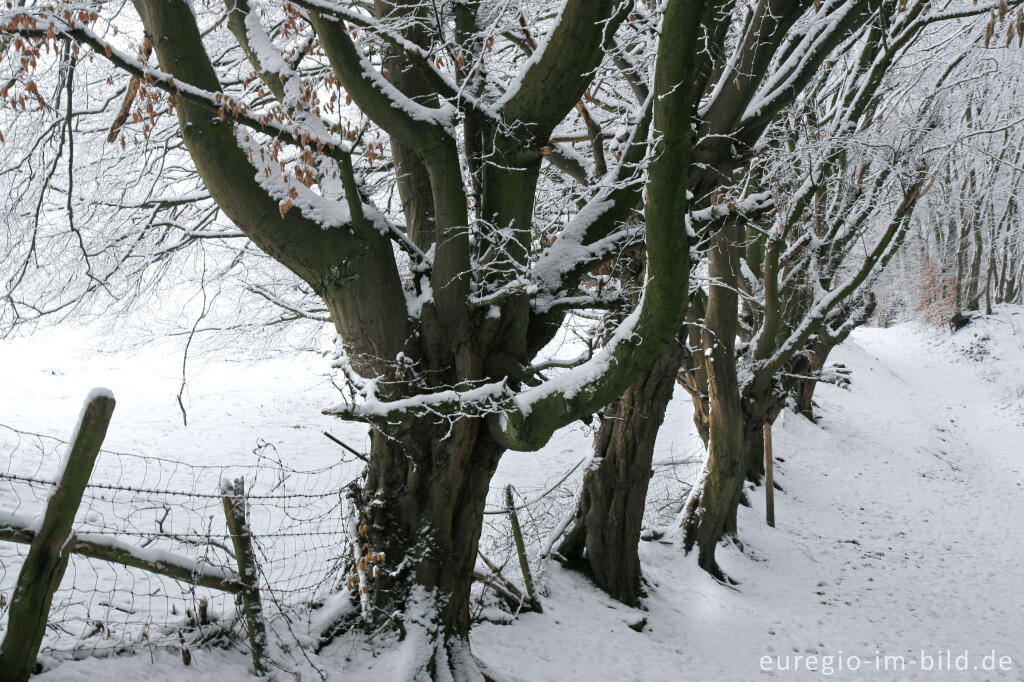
pixel 769 477
pixel 233 496
pixel 50 549
pixel 524 564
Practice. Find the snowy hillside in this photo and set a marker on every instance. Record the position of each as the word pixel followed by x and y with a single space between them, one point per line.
pixel 896 554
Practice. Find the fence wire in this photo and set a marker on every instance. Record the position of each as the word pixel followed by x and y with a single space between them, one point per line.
pixel 298 529
pixel 104 608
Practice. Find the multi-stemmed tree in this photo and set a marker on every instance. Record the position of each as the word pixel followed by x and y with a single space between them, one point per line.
pixel 793 247
pixel 762 58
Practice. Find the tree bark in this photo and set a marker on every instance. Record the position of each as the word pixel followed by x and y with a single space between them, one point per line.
pixel 753 449
pixel 694 376
pixel 959 285
pixel 809 363
pixel 975 270
pixel 420 518
pixel 605 535
pixel 711 509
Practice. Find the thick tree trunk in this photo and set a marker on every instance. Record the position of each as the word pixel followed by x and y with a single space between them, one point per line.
pixel 809 363
pixel 420 517
pixel 711 510
pixel 605 534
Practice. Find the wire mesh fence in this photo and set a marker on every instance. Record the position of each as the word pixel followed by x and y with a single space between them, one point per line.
pixel 546 509
pixel 299 529
pixel 175 507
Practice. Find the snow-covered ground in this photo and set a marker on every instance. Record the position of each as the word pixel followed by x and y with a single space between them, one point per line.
pixel 898 530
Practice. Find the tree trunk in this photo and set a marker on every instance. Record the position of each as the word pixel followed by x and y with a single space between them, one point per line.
pixel 711 510
pixel 695 377
pixel 809 363
pixel 990 278
pixel 1011 292
pixel 975 270
pixel 961 267
pixel 605 534
pixel 812 361
pixel 1001 287
pixel 753 449
pixel 804 391
pixel 420 517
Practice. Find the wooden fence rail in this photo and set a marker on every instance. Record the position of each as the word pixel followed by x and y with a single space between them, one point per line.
pixel 14 528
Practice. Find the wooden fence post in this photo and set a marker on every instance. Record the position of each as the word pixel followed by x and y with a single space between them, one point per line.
pixel 241 540
pixel 769 477
pixel 48 554
pixel 524 564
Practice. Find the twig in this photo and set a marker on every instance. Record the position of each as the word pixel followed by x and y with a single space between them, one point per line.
pixel 357 454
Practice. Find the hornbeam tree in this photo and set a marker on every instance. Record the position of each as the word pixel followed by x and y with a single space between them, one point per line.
pixel 862 150
pixel 801 284
pixel 761 60
pixel 445 182
pixel 286 125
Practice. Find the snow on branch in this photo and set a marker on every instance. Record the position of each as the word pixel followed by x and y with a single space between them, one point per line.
pixel 822 35
pixel 423 58
pixel 365 404
pixel 418 125
pixel 748 207
pixel 449 403
pixel 886 245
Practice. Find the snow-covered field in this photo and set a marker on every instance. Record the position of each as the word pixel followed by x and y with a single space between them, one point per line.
pixel 898 532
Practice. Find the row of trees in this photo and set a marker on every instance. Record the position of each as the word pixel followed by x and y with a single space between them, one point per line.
pixel 795 247
pixel 966 254
pixel 449 182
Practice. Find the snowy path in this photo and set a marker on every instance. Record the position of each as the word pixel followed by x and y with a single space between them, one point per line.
pixel 933 495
